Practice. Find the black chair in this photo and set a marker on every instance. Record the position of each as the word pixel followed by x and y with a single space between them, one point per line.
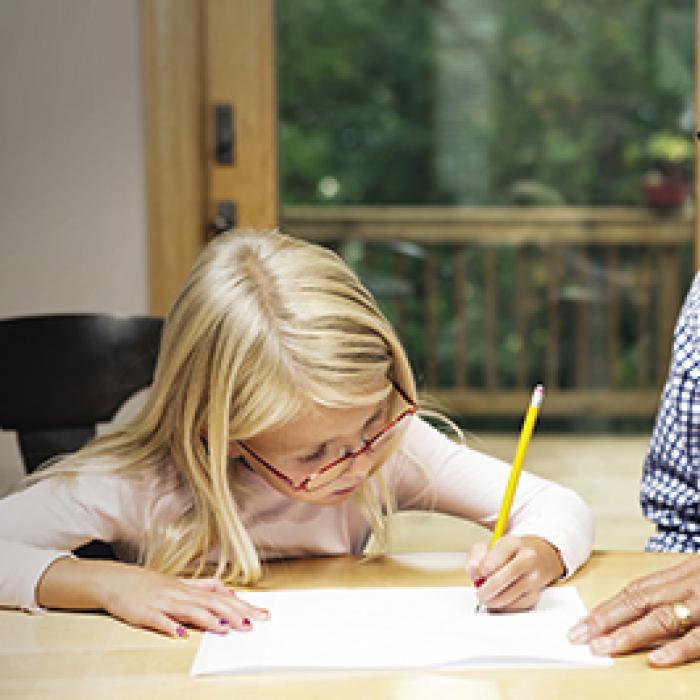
pixel 60 375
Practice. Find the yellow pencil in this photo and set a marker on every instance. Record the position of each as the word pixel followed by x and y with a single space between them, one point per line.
pixel 523 442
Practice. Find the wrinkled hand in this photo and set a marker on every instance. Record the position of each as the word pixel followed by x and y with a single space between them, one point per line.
pixel 165 604
pixel 510 575
pixel 641 616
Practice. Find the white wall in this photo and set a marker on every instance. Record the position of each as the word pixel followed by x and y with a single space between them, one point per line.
pixel 72 174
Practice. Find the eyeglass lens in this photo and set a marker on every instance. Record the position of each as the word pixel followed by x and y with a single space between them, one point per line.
pixel 375 444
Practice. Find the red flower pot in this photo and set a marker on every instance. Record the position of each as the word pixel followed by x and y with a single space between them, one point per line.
pixel 665 194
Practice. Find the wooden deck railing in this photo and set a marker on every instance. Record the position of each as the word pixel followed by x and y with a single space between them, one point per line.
pixel 489 301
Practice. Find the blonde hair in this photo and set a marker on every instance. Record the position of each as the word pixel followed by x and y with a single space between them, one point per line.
pixel 263 324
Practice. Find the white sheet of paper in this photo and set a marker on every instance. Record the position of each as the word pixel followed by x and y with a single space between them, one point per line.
pixel 396 628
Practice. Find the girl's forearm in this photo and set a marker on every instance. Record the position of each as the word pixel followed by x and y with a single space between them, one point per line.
pixel 76 584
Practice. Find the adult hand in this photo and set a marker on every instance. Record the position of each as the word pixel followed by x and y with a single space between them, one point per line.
pixel 510 575
pixel 659 610
pixel 145 598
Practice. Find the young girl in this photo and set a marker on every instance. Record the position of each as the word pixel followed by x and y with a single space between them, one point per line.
pixel 281 423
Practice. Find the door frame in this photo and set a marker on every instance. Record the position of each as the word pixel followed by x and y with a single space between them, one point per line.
pixel 181 42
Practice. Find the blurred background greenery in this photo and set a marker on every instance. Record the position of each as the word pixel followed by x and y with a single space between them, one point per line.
pixel 479 101
pixel 498 103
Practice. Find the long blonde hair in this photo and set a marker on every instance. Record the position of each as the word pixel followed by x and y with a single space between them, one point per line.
pixel 263 323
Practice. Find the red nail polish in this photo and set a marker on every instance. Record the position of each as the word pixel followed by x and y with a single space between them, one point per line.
pixel 246 621
pixel 181 631
pixel 479 582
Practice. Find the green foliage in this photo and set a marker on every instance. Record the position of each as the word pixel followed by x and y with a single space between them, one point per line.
pixel 488 102
pixel 547 97
pixel 356 100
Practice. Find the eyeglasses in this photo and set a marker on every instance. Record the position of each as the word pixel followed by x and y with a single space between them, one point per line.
pixel 339 467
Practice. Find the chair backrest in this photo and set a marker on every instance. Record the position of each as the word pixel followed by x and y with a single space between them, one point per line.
pixel 60 375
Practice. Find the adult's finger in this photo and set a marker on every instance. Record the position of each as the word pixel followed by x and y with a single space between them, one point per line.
pixel 660 624
pixel 687 573
pixel 677 652
pixel 630 604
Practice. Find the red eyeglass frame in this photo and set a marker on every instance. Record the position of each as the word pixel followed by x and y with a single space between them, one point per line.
pixel 367 445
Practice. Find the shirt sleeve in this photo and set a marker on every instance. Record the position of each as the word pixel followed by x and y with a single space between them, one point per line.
pixel 670 489
pixel 49 519
pixel 431 472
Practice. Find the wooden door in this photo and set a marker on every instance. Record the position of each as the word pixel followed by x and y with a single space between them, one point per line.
pixel 199 56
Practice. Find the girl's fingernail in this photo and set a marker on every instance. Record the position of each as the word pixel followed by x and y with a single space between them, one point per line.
pixel 246 622
pixel 479 582
pixel 181 631
pixel 223 621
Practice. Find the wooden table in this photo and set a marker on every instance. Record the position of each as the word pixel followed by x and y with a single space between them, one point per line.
pixel 71 655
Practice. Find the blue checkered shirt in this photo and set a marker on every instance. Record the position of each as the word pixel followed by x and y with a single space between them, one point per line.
pixel 670 493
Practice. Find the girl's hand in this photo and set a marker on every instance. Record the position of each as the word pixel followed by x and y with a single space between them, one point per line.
pixel 146 598
pixel 510 575
pixel 165 604
pixel 645 615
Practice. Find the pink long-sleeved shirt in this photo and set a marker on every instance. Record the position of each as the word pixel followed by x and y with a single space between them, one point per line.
pixel 427 471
